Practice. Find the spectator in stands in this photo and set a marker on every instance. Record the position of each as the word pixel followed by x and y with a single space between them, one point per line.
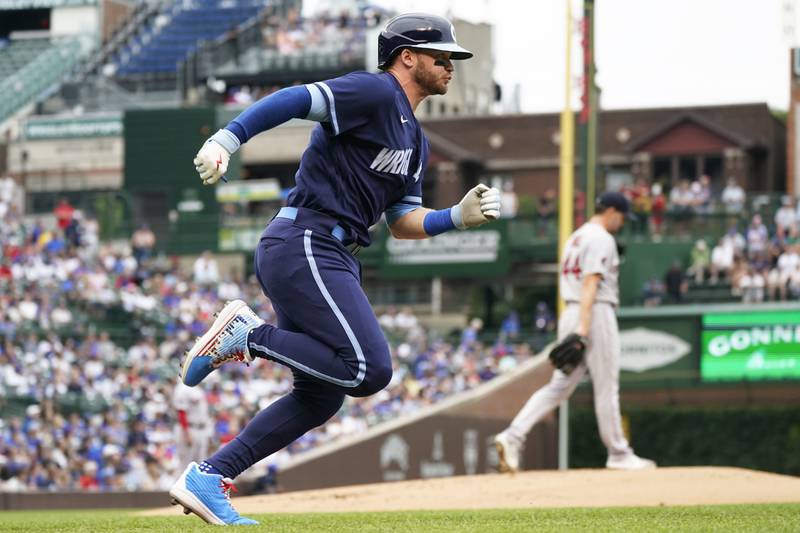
pixel 388 319
pixel 653 292
pixel 658 208
pixel 675 282
pixel 794 283
pixel 469 336
pixel 509 329
pixel 700 261
pixel 682 199
pixel 63 213
pixel 752 286
pixel 733 197
pixel 9 194
pixel 739 270
pixel 786 217
pixel 143 241
pixel 405 319
pixel 721 260
pixel 703 195
pixel 757 237
pixel 787 264
pixel 735 239
pixel 776 287
pixel 546 211
pixel 206 271
pixel 642 205
pixel 544 321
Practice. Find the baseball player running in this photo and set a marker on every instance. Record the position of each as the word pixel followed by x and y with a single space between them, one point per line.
pixel 365 158
pixel 588 284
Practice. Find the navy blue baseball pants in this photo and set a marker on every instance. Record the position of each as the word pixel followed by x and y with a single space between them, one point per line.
pixel 327 334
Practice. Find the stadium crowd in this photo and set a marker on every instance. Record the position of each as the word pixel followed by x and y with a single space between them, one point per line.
pixel 758 262
pixel 94 412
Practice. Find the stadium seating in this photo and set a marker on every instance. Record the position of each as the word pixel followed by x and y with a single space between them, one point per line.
pixel 177 30
pixel 28 67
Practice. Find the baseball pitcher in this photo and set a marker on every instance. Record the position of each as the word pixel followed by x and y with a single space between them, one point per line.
pixel 589 339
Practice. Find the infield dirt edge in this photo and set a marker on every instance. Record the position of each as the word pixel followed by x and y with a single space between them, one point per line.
pixel 537 489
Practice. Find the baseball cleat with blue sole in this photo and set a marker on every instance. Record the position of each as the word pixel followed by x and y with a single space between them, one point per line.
pixel 207 496
pixel 225 341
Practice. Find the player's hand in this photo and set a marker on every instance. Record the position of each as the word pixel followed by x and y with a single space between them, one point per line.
pixel 479 206
pixel 211 162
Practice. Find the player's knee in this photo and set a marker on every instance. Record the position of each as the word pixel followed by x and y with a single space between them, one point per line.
pixel 382 376
pixel 379 372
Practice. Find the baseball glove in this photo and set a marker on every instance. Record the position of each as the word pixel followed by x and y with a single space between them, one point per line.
pixel 568 353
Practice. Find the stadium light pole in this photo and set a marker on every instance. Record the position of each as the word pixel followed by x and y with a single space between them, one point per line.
pixel 565 213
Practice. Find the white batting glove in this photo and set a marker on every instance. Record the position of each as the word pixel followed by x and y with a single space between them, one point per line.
pixel 212 160
pixel 490 203
pixel 479 206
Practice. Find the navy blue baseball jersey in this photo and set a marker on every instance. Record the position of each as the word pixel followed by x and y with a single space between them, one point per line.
pixel 367 159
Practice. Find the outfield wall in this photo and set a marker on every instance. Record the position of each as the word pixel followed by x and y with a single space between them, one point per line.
pixel 452 438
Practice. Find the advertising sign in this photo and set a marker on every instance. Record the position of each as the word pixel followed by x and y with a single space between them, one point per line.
pixel 750 346
pixel 71 128
pixel 478 252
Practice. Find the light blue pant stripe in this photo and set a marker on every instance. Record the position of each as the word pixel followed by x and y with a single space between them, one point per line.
pixel 362 361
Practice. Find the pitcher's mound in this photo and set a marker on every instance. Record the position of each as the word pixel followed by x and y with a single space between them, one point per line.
pixel 541 488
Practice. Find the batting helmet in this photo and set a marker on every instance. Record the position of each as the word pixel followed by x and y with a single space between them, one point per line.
pixel 420 31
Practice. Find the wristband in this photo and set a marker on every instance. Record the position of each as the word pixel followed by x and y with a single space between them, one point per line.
pixel 227 140
pixel 436 222
pixel 457 217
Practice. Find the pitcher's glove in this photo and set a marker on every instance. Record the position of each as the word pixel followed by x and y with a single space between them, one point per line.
pixel 568 353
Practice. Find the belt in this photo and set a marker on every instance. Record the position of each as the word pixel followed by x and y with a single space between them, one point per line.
pixel 576 302
pixel 291 213
pixel 338 232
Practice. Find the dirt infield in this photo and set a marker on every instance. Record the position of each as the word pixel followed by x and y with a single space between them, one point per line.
pixel 573 488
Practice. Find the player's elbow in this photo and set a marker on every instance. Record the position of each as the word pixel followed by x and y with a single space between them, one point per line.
pixel 397 232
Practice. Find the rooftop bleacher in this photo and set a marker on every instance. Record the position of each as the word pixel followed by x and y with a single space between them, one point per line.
pixel 177 30
pixel 30 66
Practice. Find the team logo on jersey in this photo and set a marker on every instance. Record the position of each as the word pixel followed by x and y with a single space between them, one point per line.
pixel 393 161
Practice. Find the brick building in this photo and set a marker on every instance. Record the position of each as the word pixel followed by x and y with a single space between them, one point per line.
pixel 661 144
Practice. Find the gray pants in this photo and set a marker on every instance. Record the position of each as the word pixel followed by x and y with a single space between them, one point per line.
pixel 195 448
pixel 602 361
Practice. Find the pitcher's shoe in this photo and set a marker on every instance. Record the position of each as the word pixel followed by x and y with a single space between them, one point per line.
pixel 508 453
pixel 207 496
pixel 225 341
pixel 629 461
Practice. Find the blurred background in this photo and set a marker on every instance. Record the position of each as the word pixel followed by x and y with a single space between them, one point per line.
pixel 113 257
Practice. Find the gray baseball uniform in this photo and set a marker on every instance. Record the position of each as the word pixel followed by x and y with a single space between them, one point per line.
pixel 589 250
pixel 193 402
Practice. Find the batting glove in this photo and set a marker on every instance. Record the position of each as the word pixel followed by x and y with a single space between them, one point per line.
pixel 480 205
pixel 212 160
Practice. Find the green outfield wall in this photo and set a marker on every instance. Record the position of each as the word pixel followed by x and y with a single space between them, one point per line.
pixel 680 346
pixel 757 437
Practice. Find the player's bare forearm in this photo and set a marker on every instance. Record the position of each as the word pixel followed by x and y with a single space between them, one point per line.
pixel 588 294
pixel 411 225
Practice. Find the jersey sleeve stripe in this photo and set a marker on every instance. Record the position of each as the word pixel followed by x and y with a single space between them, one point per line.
pixel 331 105
pixel 318 111
pixel 397 211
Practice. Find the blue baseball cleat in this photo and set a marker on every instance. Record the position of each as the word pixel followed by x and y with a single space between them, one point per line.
pixel 207 496
pixel 225 341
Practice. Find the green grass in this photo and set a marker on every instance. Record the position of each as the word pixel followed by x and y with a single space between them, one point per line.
pixel 725 518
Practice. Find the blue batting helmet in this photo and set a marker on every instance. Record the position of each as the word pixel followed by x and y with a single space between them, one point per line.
pixel 419 31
